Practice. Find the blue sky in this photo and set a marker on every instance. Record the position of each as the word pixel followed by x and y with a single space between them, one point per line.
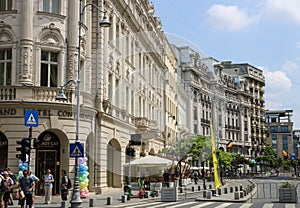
pixel 263 33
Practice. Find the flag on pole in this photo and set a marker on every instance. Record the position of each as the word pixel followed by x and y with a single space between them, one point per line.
pixel 215 159
pixel 230 144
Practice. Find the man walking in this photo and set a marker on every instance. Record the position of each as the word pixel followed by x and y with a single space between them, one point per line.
pixel 26 184
pixel 63 185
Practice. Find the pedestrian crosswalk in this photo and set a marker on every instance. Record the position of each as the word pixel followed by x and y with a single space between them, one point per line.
pixel 197 204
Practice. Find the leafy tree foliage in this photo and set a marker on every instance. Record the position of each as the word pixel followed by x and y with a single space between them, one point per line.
pixel 268 157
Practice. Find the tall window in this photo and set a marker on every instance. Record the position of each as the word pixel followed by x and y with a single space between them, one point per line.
pixel 49 69
pixel 5 66
pixel 284 129
pixel 5 5
pixel 285 142
pixel 52 6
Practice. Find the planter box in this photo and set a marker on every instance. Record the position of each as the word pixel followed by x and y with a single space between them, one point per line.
pixel 288 195
pixel 169 194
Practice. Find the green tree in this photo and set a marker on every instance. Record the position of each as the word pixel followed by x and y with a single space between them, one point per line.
pixel 268 158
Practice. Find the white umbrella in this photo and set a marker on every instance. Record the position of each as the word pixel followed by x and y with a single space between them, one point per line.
pixel 150 161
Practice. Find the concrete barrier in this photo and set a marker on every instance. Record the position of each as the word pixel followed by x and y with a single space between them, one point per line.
pixel 204 194
pixel 109 200
pixel 208 195
pixel 236 195
pixel 241 194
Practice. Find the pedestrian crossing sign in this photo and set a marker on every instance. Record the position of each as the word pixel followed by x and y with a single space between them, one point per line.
pixel 31 118
pixel 76 150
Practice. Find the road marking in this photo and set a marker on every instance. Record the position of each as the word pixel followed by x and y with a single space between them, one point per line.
pixel 162 204
pixel 202 205
pixel 290 206
pixel 246 205
pixel 223 205
pixel 268 206
pixel 182 204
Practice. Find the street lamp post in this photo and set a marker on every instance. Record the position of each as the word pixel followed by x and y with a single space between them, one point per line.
pixel 76 200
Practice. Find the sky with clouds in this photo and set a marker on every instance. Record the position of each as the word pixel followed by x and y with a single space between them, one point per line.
pixel 263 33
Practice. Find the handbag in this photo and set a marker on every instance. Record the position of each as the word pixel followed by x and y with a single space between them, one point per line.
pixel 21 194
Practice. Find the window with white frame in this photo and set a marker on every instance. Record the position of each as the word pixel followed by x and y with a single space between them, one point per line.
pixel 51 6
pixel 5 5
pixel 5 66
pixel 49 69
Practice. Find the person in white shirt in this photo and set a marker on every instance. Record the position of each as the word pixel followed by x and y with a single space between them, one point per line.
pixel 48 180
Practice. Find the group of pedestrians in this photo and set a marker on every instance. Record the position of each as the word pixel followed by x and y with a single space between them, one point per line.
pixel 26 187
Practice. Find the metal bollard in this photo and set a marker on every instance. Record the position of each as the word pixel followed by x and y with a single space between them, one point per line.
pixel 219 191
pixel 193 189
pixel 109 200
pixel 241 187
pixel 199 188
pixel 236 188
pixel 91 202
pixel 225 190
pixel 210 186
pixel 231 189
pixel 124 198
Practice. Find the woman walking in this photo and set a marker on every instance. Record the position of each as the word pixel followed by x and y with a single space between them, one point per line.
pixel 48 180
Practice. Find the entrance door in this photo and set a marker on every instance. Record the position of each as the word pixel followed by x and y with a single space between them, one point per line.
pixel 46 159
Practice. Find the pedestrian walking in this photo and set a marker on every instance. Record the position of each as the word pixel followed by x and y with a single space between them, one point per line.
pixel 196 176
pixel 63 185
pixel 26 185
pixel 36 180
pixel 7 185
pixel 48 180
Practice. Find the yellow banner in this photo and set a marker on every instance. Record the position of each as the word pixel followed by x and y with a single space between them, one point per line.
pixel 215 159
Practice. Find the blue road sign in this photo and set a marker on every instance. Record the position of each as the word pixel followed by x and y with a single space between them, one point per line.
pixel 76 150
pixel 31 118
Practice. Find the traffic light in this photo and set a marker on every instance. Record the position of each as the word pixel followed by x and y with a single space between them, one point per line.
pixel 36 143
pixel 24 149
pixel 130 151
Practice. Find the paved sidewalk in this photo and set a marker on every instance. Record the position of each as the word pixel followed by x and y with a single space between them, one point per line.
pixel 100 200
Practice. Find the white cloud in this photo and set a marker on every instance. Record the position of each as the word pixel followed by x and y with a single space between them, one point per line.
pixel 230 18
pixel 284 10
pixel 277 83
pixel 290 67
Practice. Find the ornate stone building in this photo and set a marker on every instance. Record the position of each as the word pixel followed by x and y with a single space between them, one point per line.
pixel 122 85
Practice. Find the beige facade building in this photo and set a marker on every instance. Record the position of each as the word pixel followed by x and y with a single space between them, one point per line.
pixel 122 85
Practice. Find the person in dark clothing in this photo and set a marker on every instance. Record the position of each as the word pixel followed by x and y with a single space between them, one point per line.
pixel 166 177
pixel 26 184
pixel 63 185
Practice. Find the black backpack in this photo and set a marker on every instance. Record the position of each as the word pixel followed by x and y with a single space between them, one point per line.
pixel 4 185
pixel 69 185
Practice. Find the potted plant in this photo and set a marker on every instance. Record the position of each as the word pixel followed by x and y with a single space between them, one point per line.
pixel 288 193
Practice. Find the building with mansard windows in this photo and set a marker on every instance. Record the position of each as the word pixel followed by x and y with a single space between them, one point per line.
pixel 218 95
pixel 122 85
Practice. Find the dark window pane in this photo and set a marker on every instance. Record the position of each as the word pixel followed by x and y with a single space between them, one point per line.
pixel 8 54
pixel 44 56
pixel 53 57
pixel 1 73
pixel 44 75
pixel 8 73
pixel 2 54
pixel 53 76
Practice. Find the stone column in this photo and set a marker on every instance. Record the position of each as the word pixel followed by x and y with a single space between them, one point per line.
pixel 26 44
